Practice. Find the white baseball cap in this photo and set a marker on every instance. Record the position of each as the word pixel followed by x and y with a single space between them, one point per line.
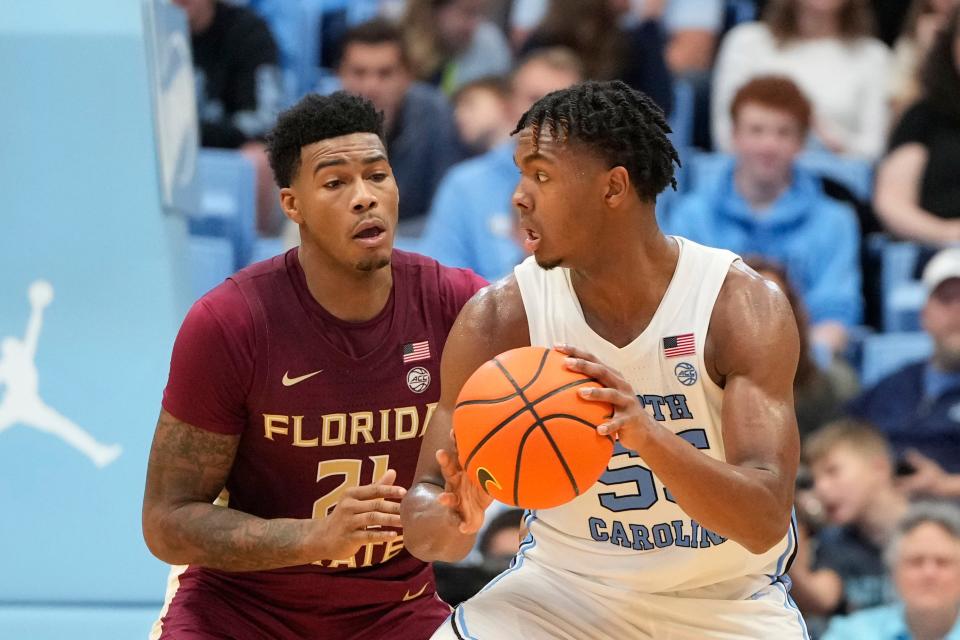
pixel 942 267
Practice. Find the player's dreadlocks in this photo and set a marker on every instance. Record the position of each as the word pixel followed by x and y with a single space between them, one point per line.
pixel 619 124
pixel 316 118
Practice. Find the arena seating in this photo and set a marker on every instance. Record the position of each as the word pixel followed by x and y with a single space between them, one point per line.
pixel 884 353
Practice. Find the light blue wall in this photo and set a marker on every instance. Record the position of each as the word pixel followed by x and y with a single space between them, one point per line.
pixel 80 207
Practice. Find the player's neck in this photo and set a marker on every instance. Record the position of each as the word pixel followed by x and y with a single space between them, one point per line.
pixel 346 293
pixel 619 308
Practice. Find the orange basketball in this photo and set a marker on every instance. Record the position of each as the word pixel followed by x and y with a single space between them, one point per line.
pixel 523 433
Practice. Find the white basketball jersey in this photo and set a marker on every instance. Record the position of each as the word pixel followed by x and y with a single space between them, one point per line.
pixel 626 531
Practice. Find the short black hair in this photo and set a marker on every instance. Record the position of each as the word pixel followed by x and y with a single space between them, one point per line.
pixel 315 118
pixel 617 123
pixel 376 31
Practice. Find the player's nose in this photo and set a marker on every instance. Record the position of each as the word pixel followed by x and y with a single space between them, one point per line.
pixel 363 198
pixel 521 200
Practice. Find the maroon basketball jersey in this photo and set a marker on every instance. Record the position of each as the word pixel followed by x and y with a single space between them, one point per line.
pixel 321 405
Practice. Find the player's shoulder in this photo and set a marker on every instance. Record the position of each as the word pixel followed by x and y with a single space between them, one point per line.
pixel 749 305
pixel 751 320
pixel 497 309
pixel 227 304
pixel 457 282
pixel 277 264
pixel 744 290
pixel 222 310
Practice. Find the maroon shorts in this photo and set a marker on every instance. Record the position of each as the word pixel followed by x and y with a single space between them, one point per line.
pixel 218 605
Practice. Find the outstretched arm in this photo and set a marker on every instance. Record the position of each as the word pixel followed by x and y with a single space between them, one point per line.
pixel 752 348
pixel 443 510
pixel 40 294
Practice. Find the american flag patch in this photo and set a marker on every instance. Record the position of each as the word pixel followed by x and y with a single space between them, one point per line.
pixel 413 351
pixel 682 345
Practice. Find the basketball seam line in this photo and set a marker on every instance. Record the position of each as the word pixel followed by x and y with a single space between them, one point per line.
pixel 517 413
pixel 516 473
pixel 527 433
pixel 543 361
pixel 537 422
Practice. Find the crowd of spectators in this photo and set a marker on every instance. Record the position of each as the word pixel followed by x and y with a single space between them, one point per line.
pixel 777 106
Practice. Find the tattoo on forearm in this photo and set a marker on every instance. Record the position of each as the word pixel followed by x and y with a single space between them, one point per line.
pixel 188 469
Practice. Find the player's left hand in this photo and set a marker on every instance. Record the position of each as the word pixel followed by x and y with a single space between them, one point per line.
pixel 630 423
pixel 462 495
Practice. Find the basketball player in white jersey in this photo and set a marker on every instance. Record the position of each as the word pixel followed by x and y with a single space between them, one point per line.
pixel 688 533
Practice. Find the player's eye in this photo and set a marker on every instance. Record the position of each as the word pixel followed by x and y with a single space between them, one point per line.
pixel 542 177
pixel 332 184
pixel 379 177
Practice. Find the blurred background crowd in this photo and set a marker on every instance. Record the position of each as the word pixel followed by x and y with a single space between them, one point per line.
pixel 820 139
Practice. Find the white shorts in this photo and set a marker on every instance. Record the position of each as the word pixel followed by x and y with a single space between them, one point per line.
pixel 532 602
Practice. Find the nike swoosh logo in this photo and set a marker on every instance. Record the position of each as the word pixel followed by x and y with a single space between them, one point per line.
pixel 408 596
pixel 289 382
pixel 484 477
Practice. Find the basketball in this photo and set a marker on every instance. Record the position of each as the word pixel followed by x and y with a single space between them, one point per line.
pixel 523 433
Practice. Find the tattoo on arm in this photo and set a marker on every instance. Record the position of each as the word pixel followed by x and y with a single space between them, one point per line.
pixel 188 469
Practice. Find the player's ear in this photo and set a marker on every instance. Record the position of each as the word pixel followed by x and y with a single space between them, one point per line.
pixel 617 187
pixel 290 206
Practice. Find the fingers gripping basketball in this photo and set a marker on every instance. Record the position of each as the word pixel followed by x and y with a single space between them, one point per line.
pixel 524 435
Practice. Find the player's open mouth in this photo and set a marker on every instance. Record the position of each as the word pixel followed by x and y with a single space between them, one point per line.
pixel 531 240
pixel 370 233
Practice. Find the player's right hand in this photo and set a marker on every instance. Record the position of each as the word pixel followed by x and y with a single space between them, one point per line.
pixel 460 494
pixel 358 519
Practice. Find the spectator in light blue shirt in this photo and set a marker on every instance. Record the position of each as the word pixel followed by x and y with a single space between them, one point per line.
pixel 924 557
pixel 471 221
pixel 761 203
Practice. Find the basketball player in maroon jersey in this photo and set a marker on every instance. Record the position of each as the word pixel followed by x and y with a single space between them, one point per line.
pixel 299 392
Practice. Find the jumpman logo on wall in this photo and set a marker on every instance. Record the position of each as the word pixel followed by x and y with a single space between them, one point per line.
pixel 21 404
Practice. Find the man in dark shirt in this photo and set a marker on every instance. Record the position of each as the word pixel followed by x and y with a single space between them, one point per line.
pixel 236 65
pixel 299 392
pixel 239 88
pixel 918 407
pixel 421 135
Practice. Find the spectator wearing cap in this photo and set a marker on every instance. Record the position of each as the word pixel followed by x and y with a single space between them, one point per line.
pixel 918 406
pixel 924 558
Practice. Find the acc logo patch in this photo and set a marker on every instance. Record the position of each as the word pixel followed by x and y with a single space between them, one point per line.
pixel 418 379
pixel 686 373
